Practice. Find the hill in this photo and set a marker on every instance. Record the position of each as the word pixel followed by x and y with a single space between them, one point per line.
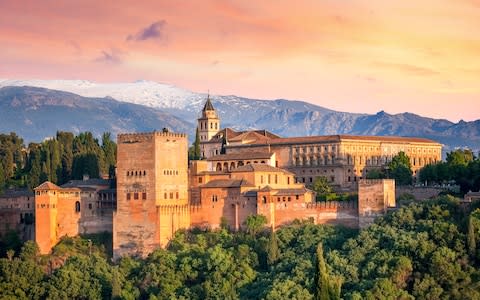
pixel 37 113
pixel 284 117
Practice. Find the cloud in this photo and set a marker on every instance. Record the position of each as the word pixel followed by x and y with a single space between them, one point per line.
pixel 154 31
pixel 114 56
pixel 77 49
pixel 406 68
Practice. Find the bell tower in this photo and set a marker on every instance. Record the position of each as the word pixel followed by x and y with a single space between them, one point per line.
pixel 209 123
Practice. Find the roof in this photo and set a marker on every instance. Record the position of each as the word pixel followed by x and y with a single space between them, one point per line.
pixel 343 137
pixel 237 156
pixel 208 105
pixel 16 193
pixel 88 182
pixel 288 192
pixel 249 137
pixel 232 135
pixel 226 183
pixel 258 168
pixel 251 193
pixel 47 185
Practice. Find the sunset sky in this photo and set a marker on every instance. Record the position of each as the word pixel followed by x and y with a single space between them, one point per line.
pixel 348 55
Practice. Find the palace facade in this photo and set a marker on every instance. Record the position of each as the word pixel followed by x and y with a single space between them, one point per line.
pixel 158 191
pixel 342 159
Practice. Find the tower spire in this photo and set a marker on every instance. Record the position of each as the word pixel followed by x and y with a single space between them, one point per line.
pixel 208 104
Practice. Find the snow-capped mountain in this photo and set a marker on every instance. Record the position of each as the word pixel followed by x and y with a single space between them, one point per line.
pixel 283 117
pixel 141 92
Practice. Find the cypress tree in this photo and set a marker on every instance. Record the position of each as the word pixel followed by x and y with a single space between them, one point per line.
pixel 272 252
pixel 2 177
pixel 471 243
pixel 322 291
pixel 196 146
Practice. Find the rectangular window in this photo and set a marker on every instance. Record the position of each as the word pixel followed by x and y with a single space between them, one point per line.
pixel 144 196
pixel 171 195
pixel 200 179
pixel 176 195
pixel 135 196
pixel 128 196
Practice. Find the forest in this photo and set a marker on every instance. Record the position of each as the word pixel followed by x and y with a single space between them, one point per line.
pixel 424 250
pixel 57 159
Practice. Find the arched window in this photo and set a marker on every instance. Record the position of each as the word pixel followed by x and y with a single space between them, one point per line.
pixel 264 199
pixel 77 206
pixel 219 166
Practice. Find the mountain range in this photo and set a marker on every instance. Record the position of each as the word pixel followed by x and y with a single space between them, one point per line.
pixel 79 105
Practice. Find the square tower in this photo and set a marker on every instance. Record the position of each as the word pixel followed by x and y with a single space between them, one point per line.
pixel 152 191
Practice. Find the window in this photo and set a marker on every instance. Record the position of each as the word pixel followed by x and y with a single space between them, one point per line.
pixel 77 206
pixel 176 195
pixel 144 196
pixel 171 195
pixel 165 196
pixel 135 196
pixel 128 196
pixel 200 179
pixel 89 205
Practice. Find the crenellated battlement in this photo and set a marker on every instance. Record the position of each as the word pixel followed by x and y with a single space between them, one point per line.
pixel 137 137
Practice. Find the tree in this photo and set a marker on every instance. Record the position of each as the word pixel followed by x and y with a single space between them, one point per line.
pixel 400 169
pixel 2 177
pixel 326 288
pixel 109 151
pixel 375 174
pixel 460 157
pixel 273 252
pixel 196 146
pixel 471 243
pixel 321 185
pixel 254 223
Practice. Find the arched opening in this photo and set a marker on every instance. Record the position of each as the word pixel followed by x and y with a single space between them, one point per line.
pixel 232 166
pixel 219 167
pixel 264 199
pixel 77 206
pixel 225 166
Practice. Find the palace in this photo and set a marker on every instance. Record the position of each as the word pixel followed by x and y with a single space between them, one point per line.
pixel 342 159
pixel 158 191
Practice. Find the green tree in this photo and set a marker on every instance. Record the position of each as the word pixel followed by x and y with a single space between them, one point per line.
pixel 273 252
pixel 254 223
pixel 326 288
pixel 2 177
pixel 321 186
pixel 400 169
pixel 375 174
pixel 196 145
pixel 460 157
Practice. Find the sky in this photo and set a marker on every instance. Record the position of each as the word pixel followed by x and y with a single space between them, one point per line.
pixel 349 55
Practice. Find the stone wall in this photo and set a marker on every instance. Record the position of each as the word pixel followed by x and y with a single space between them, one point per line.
pixel 375 196
pixel 152 191
pixel 420 193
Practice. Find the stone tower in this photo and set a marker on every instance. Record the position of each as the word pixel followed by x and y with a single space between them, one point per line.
pixel 208 123
pixel 152 191
pixel 57 214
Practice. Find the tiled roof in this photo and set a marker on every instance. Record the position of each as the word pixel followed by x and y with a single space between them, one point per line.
pixel 88 182
pixel 208 105
pixel 226 183
pixel 286 192
pixel 47 185
pixel 237 156
pixel 17 193
pixel 258 168
pixel 338 138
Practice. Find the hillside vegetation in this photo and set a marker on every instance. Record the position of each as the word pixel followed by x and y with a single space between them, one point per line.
pixel 427 250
